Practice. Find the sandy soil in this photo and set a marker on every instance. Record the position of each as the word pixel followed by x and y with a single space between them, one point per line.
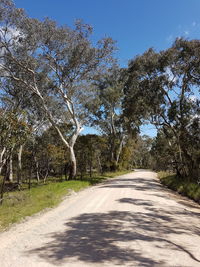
pixel 128 221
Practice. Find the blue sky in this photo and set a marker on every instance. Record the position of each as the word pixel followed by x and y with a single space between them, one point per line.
pixel 136 25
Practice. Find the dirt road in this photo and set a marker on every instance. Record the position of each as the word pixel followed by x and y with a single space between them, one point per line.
pixel 128 221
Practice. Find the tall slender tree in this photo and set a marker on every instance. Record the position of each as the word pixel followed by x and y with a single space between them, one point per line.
pixel 56 64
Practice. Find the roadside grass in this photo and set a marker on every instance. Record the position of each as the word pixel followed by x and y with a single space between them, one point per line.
pixel 183 187
pixel 20 204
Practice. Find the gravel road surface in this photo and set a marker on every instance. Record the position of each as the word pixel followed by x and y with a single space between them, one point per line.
pixel 127 221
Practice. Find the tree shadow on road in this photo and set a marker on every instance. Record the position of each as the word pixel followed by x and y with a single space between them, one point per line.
pixel 139 183
pixel 106 237
pixel 123 237
pixel 134 201
pixel 94 238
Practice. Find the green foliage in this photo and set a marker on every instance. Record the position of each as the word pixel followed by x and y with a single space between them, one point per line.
pixel 106 114
pixel 182 186
pixel 164 87
pixel 14 130
pixel 89 149
pixel 142 157
pixel 55 65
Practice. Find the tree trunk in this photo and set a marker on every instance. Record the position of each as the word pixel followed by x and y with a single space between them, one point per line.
pixel 37 168
pixel 72 167
pixel 19 174
pixel 10 174
pixel 90 165
pixel 112 154
pixel 30 175
pixel 99 163
pixel 46 173
pixel 2 190
pixel 2 159
pixel 120 149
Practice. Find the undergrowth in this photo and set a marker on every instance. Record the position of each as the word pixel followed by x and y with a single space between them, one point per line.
pixel 182 186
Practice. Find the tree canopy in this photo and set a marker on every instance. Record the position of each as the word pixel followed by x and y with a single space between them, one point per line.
pixel 166 84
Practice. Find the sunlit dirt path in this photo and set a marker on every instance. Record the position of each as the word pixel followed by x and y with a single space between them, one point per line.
pixel 128 221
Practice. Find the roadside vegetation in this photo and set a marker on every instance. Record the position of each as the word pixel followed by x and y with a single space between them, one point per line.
pixel 17 205
pixel 182 186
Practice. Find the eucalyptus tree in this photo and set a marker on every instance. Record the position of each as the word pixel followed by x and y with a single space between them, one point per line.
pixel 166 86
pixel 54 63
pixel 12 105
pixel 106 111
